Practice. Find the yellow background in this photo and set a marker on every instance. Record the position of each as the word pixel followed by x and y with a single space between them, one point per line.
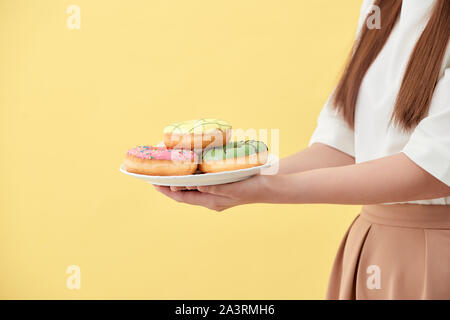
pixel 73 101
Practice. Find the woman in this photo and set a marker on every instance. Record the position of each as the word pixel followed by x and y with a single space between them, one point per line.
pixel 383 141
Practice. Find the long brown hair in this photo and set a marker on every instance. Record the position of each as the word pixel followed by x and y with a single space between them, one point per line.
pixel 422 72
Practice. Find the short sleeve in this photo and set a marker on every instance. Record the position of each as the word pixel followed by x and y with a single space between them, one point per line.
pixel 333 131
pixel 429 144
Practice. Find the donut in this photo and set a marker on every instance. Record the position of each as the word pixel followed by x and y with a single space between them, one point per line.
pixel 197 134
pixel 160 161
pixel 234 156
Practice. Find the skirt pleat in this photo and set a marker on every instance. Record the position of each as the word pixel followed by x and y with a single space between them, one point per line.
pixel 394 252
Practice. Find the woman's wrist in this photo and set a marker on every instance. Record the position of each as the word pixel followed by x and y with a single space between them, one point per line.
pixel 266 188
pixel 281 188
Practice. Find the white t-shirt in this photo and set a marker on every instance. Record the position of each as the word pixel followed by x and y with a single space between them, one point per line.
pixel 374 136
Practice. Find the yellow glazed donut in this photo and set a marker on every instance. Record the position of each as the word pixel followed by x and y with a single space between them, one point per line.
pixel 197 134
pixel 157 161
pixel 234 156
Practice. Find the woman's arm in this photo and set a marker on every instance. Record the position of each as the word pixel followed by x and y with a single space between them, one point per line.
pixel 316 156
pixel 391 179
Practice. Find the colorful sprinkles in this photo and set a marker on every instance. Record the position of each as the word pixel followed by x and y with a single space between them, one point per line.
pixel 162 153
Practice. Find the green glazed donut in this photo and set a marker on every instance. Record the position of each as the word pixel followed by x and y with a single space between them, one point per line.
pixel 234 150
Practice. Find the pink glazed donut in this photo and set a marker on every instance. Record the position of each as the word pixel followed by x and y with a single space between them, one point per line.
pixel 160 161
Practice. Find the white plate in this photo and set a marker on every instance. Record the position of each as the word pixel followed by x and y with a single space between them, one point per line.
pixel 208 179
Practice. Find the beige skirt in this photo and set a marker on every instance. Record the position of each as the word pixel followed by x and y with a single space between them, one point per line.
pixel 399 251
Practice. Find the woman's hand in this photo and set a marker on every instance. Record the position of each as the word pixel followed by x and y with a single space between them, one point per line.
pixel 219 197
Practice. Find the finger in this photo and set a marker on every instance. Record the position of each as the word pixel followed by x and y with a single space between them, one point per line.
pixel 174 188
pixel 164 190
pixel 178 196
pixel 194 197
pixel 191 188
pixel 171 188
pixel 225 190
pixel 210 201
pixel 175 195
